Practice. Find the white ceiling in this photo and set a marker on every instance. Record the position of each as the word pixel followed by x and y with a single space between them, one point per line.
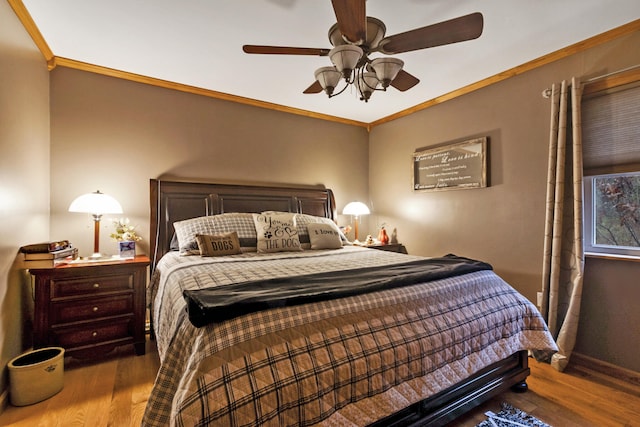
pixel 199 42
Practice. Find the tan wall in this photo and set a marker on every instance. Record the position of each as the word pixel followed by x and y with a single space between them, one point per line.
pixel 504 223
pixel 24 172
pixel 114 135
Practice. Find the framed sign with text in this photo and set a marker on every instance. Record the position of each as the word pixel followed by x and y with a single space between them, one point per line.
pixel 461 165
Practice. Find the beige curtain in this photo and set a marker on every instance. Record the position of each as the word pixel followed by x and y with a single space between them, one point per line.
pixel 563 263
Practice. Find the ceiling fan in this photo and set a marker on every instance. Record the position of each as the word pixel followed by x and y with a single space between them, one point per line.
pixel 356 36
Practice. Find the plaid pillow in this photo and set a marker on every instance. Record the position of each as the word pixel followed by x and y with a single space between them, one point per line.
pixel 242 223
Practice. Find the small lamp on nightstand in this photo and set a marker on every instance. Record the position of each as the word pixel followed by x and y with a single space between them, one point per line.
pixel 356 209
pixel 96 204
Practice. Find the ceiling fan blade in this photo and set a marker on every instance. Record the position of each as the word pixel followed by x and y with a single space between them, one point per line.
pixel 404 81
pixel 455 30
pixel 352 19
pixel 314 88
pixel 284 50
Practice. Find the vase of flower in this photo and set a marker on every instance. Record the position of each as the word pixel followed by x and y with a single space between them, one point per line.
pixel 127 249
pixel 126 236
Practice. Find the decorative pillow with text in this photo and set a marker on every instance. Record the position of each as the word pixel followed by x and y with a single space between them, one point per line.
pixel 276 232
pixel 324 236
pixel 218 244
pixel 302 222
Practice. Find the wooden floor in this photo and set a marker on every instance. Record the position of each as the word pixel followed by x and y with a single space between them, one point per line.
pixel 114 391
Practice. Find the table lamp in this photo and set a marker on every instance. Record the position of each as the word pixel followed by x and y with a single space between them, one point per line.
pixel 356 209
pixel 96 204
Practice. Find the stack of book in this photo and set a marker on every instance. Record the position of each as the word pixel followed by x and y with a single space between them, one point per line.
pixel 48 254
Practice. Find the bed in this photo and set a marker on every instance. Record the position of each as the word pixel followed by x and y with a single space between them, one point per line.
pixel 405 352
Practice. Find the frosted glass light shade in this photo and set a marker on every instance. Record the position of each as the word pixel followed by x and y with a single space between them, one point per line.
pixel 95 203
pixel 367 83
pixel 356 208
pixel 345 58
pixel 387 69
pixel 328 77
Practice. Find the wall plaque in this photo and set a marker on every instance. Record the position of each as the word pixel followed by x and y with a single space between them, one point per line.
pixel 454 166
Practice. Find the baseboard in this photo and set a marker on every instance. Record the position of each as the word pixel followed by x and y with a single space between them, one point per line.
pixel 627 375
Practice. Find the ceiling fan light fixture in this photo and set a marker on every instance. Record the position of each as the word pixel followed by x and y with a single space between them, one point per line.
pixel 328 77
pixel 386 69
pixel 345 58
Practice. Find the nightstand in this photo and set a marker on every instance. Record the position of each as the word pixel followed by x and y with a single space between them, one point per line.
pixel 391 247
pixel 90 308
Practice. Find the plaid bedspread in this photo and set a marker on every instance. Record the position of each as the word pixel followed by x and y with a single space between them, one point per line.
pixel 343 362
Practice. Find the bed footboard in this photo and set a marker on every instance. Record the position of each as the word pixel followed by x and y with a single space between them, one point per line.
pixel 447 405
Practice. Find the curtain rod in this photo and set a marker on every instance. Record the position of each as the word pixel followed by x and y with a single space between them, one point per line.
pixel 546 93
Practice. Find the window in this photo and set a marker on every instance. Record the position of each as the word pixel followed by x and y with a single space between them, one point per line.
pixel 611 156
pixel 612 213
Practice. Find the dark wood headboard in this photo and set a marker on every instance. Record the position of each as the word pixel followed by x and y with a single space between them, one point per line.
pixel 173 201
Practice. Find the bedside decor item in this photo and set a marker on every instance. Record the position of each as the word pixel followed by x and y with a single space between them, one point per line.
pixel 126 236
pixel 356 209
pixel 96 204
pixel 125 232
pixel 383 237
pixel 453 166
pixel 394 236
pixel 127 249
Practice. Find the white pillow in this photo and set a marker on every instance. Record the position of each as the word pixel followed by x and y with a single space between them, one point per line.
pixel 276 232
pixel 302 222
pixel 324 236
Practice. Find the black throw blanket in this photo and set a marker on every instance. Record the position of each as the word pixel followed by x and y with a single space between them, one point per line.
pixel 217 304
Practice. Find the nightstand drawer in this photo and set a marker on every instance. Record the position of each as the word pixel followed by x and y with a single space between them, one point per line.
pixel 61 288
pixel 91 309
pixel 98 332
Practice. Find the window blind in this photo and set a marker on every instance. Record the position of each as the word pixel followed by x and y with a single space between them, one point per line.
pixel 611 129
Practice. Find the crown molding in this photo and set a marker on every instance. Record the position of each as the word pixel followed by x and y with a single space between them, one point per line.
pixel 54 61
pixel 27 22
pixel 599 39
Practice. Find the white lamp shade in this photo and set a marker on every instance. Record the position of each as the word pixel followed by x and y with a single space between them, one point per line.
pixel 95 203
pixel 345 57
pixel 328 77
pixel 387 69
pixel 356 208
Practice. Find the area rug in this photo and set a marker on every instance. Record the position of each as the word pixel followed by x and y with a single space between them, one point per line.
pixel 511 417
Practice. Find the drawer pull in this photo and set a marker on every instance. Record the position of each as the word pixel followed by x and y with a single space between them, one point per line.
pixel 94 334
pixel 95 309
pixel 96 285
